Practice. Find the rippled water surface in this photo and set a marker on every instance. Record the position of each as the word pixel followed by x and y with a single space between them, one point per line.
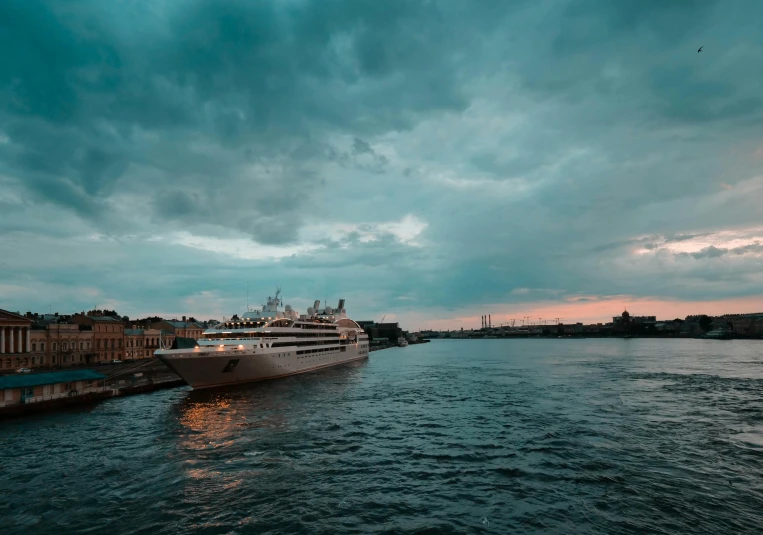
pixel 482 436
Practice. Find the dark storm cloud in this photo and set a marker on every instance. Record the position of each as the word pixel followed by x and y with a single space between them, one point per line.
pixel 88 88
pixel 716 252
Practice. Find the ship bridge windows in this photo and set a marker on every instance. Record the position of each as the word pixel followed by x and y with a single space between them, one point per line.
pixel 316 325
pixel 230 335
pixel 344 322
pixel 282 322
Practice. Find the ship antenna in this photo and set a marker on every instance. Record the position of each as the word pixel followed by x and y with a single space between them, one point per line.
pixel 247 297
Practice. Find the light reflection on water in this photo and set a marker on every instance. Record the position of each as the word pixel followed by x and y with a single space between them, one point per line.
pixel 521 436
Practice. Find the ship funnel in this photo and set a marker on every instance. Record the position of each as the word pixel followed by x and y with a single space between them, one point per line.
pixel 317 304
pixel 341 305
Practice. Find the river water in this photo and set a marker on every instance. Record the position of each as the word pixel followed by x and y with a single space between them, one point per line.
pixel 455 436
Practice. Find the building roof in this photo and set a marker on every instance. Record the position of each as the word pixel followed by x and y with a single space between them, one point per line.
pixel 37 379
pixel 133 332
pixel 104 318
pixel 183 324
pixel 6 315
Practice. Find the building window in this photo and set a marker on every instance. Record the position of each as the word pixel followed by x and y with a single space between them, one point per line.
pixel 54 346
pixel 34 346
pixel 81 345
pixel 42 346
pixel 63 346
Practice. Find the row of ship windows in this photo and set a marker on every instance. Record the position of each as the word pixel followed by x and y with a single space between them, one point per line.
pixel 307 352
pixel 315 343
pixel 311 351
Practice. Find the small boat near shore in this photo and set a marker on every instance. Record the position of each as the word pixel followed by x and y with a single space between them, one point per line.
pixel 717 334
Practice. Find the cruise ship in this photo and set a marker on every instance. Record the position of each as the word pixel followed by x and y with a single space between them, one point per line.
pixel 269 343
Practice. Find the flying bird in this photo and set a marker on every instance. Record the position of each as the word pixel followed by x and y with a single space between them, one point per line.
pixel 700 49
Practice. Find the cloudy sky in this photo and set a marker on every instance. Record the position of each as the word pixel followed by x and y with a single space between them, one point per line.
pixel 427 160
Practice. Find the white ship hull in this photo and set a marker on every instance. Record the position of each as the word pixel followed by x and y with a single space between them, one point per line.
pixel 208 367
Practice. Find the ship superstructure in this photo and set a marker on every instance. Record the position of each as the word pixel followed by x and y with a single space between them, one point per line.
pixel 269 343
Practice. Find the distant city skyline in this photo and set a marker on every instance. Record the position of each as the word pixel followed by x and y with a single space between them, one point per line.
pixel 582 309
pixel 427 161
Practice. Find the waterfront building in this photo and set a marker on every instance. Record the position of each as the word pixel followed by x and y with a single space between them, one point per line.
pixel 141 343
pixel 66 344
pixel 625 323
pixel 135 343
pixel 35 388
pixel 691 326
pixel 39 346
pixel 183 329
pixel 626 318
pixel 108 335
pixel 389 331
pixel 597 329
pixel 55 345
pixel 370 328
pixel 15 332
pixel 380 333
pixel 670 327
pixel 570 328
pixel 742 324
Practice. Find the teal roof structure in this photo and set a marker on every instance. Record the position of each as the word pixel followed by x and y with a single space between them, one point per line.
pixel 50 378
pixel 183 343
